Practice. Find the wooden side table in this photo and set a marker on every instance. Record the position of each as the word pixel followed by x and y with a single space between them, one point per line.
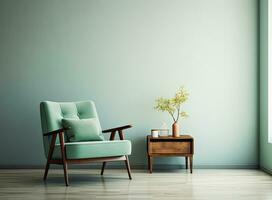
pixel 170 146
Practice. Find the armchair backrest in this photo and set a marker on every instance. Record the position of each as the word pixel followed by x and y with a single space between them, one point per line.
pixel 52 114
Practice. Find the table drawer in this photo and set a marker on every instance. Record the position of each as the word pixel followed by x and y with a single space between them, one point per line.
pixel 170 147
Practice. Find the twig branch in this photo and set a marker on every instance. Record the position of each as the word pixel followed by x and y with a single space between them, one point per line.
pixel 178 113
pixel 172 116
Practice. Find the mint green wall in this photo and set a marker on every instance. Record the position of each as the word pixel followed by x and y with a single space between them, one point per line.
pixel 123 54
pixel 265 147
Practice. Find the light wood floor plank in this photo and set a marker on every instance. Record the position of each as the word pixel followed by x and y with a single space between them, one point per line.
pixel 203 184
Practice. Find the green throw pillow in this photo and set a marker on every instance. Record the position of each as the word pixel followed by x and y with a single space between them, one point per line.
pixel 83 130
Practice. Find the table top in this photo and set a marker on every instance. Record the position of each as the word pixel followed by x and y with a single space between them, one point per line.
pixel 169 137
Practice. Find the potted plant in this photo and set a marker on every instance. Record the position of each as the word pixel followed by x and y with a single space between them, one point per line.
pixel 173 107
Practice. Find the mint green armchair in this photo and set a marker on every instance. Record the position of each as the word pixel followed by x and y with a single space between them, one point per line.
pixel 59 150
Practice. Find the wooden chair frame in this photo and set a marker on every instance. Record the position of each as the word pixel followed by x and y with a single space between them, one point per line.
pixel 64 161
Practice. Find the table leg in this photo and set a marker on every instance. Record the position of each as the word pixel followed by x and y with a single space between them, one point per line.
pixel 186 162
pixel 150 162
pixel 191 164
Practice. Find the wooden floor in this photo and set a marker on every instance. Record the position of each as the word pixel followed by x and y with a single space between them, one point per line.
pixel 168 184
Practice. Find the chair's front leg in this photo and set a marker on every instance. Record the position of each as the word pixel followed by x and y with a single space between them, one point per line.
pixel 121 135
pixel 112 136
pixel 63 155
pixel 128 167
pixel 49 156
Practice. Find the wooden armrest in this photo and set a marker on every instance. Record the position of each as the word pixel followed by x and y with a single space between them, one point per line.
pixel 62 130
pixel 117 129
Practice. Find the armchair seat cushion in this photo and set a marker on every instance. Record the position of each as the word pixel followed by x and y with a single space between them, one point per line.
pixel 94 149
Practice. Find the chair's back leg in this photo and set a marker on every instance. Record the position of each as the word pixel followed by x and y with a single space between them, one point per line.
pixel 63 155
pixel 65 173
pixel 103 167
